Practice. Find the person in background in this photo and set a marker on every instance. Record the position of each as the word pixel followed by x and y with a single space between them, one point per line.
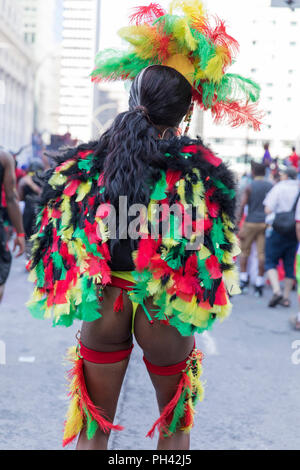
pixel 281 198
pixel 8 181
pixel 294 159
pixel 253 229
pixel 267 159
pixel 275 172
pixel 295 320
pixel 29 191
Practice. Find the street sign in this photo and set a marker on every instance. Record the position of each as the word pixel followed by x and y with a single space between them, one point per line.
pixel 286 3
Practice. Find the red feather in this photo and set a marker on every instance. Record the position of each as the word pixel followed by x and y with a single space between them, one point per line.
pixel 213 267
pixel 119 304
pixel 220 37
pixel 172 177
pixel 71 188
pixel 191 265
pixel 210 157
pixel 76 374
pixel 91 232
pixel 146 14
pixel 147 249
pixel 221 296
pixel 212 207
pixel 237 114
pixel 105 272
pixel 167 414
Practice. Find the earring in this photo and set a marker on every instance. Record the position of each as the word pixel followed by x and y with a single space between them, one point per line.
pixel 188 117
pixel 164 132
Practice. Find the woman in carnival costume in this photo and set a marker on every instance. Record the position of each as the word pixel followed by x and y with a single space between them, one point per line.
pixel 173 279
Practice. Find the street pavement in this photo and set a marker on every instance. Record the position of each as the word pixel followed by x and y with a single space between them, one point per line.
pixel 252 384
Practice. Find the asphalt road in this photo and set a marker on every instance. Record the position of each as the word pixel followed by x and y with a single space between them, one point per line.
pixel 252 383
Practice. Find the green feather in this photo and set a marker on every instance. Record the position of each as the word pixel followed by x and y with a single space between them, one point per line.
pixel 112 64
pixel 204 275
pixel 91 425
pixel 40 274
pixel 178 412
pixel 85 163
pixel 218 238
pixel 37 308
pixel 235 87
pixel 205 49
pixel 224 188
pixel 160 189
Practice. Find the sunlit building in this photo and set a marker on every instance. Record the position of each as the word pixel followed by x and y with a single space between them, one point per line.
pixel 269 50
pixel 79 44
pixel 41 26
pixel 16 79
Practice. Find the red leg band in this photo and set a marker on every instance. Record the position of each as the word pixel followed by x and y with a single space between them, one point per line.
pixel 99 357
pixel 167 370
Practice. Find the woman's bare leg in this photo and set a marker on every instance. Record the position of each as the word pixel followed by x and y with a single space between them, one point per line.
pixel 164 346
pixel 110 333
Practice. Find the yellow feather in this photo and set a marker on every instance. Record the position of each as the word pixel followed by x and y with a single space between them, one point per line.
pixel 181 191
pixel 66 211
pixel 215 68
pixel 204 253
pixel 62 309
pixel 192 8
pixel 57 179
pixel 67 234
pixel 170 242
pixel 74 422
pixel 32 277
pixel 103 230
pixel 83 190
pixel 231 280
pixel 183 34
pixel 48 313
pixel 66 165
pixel 154 286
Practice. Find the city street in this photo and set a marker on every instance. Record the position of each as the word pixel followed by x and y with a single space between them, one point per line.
pixel 252 385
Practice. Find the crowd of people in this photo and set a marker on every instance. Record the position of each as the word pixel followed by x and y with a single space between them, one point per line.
pixel 269 228
pixel 19 191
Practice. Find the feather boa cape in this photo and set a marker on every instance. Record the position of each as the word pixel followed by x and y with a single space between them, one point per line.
pixel 70 264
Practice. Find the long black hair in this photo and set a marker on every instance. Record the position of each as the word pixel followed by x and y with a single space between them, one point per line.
pixel 159 97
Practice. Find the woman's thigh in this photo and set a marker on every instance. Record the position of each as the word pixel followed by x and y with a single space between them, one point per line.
pixel 162 344
pixel 112 331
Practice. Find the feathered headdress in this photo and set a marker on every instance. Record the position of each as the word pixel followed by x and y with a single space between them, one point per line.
pixel 190 44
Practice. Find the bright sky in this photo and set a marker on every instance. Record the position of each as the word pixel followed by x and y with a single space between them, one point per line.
pixel 115 14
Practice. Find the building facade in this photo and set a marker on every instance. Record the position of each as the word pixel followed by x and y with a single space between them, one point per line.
pixel 79 45
pixel 269 46
pixel 16 80
pixel 42 26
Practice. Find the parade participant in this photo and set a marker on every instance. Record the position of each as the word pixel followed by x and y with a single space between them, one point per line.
pixel 8 182
pixel 294 159
pixel 267 159
pixel 281 198
pixel 295 320
pixel 254 227
pixel 161 286
pixel 29 190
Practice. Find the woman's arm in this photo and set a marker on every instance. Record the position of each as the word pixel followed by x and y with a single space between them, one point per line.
pixel 12 200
